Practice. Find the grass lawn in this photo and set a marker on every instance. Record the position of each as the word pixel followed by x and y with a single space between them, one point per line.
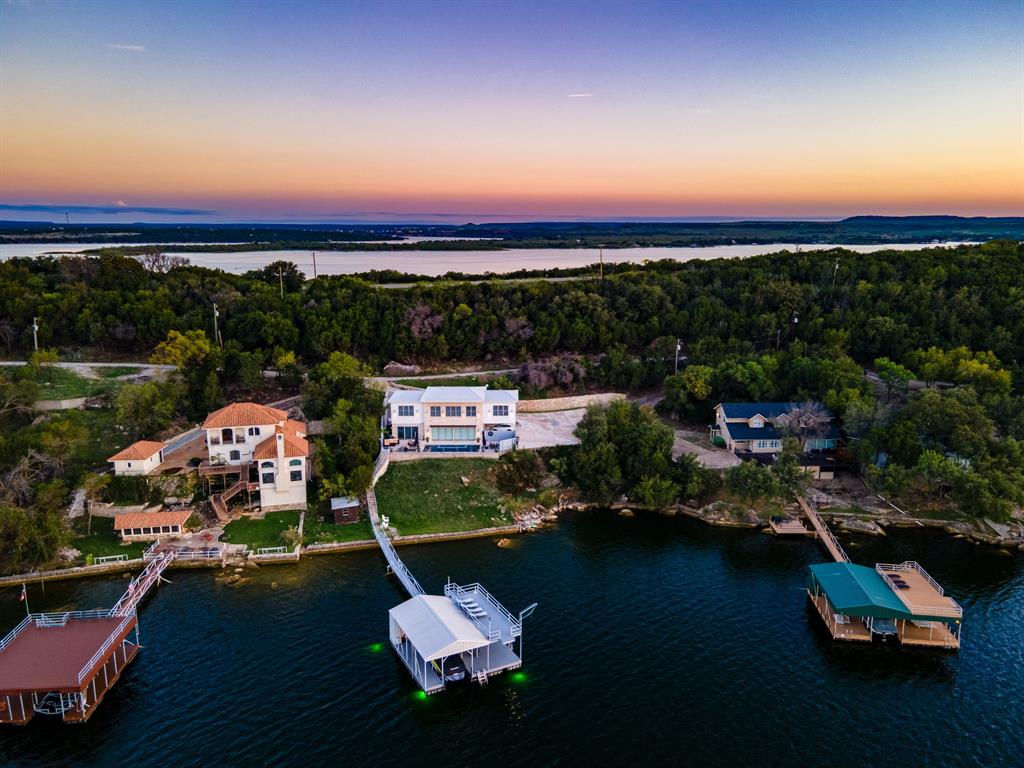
pixel 315 532
pixel 115 371
pixel 261 533
pixel 61 384
pixel 452 381
pixel 427 496
pixel 103 541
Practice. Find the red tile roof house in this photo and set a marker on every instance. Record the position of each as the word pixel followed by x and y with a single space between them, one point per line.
pixel 139 458
pixel 249 438
pixel 139 526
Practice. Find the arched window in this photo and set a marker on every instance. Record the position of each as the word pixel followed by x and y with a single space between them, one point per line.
pixel 295 463
pixel 267 465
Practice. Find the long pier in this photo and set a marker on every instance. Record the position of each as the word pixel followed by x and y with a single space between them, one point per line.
pixel 464 633
pixel 394 561
pixel 824 533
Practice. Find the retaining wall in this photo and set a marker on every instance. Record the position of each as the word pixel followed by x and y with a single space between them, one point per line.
pixel 567 403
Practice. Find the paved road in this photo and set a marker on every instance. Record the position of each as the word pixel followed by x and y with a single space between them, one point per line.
pixel 712 458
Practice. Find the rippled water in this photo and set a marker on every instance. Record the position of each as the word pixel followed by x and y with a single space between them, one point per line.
pixel 434 263
pixel 657 641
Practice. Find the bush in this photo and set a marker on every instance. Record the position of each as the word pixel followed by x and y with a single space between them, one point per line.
pixel 127 490
pixel 518 470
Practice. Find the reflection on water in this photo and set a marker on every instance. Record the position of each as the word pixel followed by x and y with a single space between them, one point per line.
pixel 657 640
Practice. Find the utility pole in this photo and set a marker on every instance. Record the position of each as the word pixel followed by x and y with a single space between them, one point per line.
pixel 35 333
pixel 216 333
pixel 835 272
pixel 280 278
pixel 679 346
pixel 314 265
pixel 778 338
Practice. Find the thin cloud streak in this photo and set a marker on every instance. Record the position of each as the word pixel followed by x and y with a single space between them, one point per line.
pixel 127 47
pixel 580 95
pixel 118 207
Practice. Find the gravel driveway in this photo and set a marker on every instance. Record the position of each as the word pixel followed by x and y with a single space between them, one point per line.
pixel 541 430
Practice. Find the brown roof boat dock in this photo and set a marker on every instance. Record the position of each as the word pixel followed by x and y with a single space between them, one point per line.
pixel 64 663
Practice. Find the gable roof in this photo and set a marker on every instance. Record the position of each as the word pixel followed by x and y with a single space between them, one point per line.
pixel 857 590
pixel 435 627
pixel 150 519
pixel 244 415
pixel 143 449
pixel 768 410
pixel 294 442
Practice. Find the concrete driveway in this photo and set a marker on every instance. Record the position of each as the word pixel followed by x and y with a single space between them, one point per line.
pixel 712 458
pixel 542 430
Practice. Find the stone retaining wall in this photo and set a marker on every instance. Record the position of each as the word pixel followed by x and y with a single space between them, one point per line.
pixel 568 403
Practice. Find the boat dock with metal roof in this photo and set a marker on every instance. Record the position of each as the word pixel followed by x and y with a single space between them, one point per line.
pixel 860 603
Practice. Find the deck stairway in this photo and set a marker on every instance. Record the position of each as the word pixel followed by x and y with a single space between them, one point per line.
pixel 220 500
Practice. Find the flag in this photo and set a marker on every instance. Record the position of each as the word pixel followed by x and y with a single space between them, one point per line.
pixel 24 594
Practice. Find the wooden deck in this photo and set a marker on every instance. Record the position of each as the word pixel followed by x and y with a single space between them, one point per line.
pixel 855 630
pixel 830 541
pixel 937 635
pixel 789 527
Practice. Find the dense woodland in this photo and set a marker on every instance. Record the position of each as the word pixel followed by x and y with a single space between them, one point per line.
pixel 780 327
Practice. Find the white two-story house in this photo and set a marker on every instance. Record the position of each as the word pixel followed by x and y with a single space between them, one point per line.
pixel 257 440
pixel 442 419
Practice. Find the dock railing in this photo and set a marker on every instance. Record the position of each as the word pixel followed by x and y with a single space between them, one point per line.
pixel 50 620
pixel 456 592
pixel 111 639
pixel 831 542
pixel 884 569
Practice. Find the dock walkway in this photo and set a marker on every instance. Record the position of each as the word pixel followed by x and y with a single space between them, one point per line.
pixel 824 533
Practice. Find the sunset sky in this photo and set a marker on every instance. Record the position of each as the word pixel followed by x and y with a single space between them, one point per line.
pixel 481 111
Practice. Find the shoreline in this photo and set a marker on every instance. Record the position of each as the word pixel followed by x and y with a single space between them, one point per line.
pixel 955 529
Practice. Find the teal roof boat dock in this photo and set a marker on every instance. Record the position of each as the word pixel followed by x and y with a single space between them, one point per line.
pixel 857 602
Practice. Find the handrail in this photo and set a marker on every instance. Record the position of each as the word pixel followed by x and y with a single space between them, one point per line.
pixel 103 648
pixel 11 636
pixel 815 517
pixel 884 569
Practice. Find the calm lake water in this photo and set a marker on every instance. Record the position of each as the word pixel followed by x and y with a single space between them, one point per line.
pixel 657 641
pixel 433 263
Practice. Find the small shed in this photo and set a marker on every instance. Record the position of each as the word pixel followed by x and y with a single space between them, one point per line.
pixel 345 509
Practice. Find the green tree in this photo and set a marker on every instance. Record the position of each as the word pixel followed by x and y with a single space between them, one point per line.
pixel 893 375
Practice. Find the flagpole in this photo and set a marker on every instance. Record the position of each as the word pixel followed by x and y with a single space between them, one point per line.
pixel 24 597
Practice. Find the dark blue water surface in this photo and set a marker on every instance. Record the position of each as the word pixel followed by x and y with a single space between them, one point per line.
pixel 657 641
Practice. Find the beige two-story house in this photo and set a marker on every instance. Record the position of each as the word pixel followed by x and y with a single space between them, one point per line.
pixel 452 419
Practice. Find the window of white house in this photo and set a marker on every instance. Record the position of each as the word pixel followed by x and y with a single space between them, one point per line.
pixel 757 423
pixel 453 410
pixel 775 444
pixel 435 410
pixel 214 438
pixel 267 464
pixel 268 478
pixel 254 430
pixel 235 455
pixel 240 435
pixel 453 433
pixel 296 475
pixel 500 410
pixel 762 443
pixel 471 410
pixel 406 410
pixel 129 463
